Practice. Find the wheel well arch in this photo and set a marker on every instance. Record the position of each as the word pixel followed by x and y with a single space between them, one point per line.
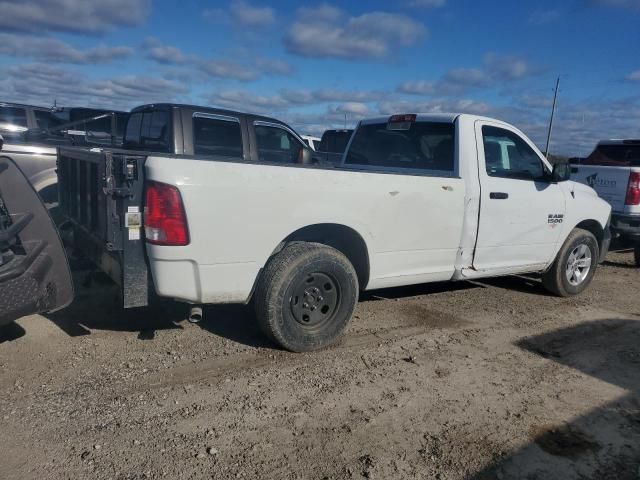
pixel 594 227
pixel 342 238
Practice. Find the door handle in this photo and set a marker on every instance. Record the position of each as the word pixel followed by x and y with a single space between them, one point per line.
pixel 498 195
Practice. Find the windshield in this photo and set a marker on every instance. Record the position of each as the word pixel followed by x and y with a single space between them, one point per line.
pixel 614 156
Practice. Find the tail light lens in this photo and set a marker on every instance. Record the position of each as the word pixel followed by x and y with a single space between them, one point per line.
pixel 633 190
pixel 165 222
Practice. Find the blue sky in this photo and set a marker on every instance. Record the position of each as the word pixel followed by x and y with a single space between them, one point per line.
pixel 312 63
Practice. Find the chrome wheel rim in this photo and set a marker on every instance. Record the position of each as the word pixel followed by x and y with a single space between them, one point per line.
pixel 578 265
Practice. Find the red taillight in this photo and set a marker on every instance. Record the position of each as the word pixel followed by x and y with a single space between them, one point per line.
pixel 633 190
pixel 165 222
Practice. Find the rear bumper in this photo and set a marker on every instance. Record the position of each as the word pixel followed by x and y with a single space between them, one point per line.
pixel 626 225
pixel 188 281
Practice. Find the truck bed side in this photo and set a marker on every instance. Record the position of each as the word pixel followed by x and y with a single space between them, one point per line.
pixel 239 213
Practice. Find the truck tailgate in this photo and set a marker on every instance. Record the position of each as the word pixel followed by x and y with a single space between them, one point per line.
pixel 610 182
pixel 101 194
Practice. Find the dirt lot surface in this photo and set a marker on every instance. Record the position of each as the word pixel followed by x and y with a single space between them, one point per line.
pixel 491 379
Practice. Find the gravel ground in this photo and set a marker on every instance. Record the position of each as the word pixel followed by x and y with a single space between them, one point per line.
pixel 481 380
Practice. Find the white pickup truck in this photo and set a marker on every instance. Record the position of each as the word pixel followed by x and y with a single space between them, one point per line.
pixel 416 198
pixel 613 170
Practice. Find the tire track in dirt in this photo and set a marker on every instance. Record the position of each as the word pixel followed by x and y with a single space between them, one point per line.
pixel 221 367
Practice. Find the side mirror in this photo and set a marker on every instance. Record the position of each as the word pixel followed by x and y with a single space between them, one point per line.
pixel 561 172
pixel 305 156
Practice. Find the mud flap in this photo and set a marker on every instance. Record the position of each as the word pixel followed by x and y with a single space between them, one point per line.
pixel 34 271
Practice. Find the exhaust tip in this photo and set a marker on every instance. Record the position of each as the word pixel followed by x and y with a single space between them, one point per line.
pixel 195 315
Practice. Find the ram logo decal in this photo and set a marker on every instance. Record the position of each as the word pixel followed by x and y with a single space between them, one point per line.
pixel 555 219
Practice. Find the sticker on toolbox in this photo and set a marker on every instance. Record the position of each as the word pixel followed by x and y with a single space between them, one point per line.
pixel 133 222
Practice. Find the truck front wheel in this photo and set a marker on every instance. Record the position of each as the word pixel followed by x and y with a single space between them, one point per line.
pixel 306 296
pixel 574 266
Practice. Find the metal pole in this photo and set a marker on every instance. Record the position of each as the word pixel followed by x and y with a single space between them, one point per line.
pixel 553 111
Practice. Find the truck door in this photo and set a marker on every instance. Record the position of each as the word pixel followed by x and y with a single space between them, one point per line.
pixel 521 210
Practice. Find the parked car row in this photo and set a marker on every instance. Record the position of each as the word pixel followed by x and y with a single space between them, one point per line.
pixel 31 135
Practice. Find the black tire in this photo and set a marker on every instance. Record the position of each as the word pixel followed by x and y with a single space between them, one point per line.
pixel 636 254
pixel 290 302
pixel 556 279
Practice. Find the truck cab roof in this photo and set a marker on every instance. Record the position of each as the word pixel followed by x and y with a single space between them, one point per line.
pixel 202 109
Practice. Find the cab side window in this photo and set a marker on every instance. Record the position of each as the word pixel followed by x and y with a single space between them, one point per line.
pixel 217 136
pixel 276 145
pixel 509 156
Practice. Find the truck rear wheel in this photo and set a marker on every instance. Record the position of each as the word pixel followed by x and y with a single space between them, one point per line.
pixel 636 254
pixel 306 296
pixel 574 266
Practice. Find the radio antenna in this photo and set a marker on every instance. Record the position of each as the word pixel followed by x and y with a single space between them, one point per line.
pixel 553 111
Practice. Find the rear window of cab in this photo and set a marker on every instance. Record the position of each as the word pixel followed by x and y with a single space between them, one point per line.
pixel 149 130
pixel 413 146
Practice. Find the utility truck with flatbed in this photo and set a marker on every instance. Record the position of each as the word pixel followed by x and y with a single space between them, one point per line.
pixel 211 206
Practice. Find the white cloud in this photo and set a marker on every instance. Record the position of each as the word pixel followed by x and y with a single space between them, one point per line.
pixel 324 95
pixel 247 102
pixel 219 68
pixel 70 87
pixel 466 77
pixel 54 50
pixel 167 55
pixel 76 16
pixel 227 69
pixel 355 108
pixel 634 76
pixel 274 66
pixel 420 87
pixel 495 71
pixel 251 16
pixel 434 106
pixel 507 67
pixel 327 32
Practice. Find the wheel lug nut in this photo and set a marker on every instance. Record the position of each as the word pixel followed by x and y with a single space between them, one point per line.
pixel 305 305
pixel 320 298
pixel 313 308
